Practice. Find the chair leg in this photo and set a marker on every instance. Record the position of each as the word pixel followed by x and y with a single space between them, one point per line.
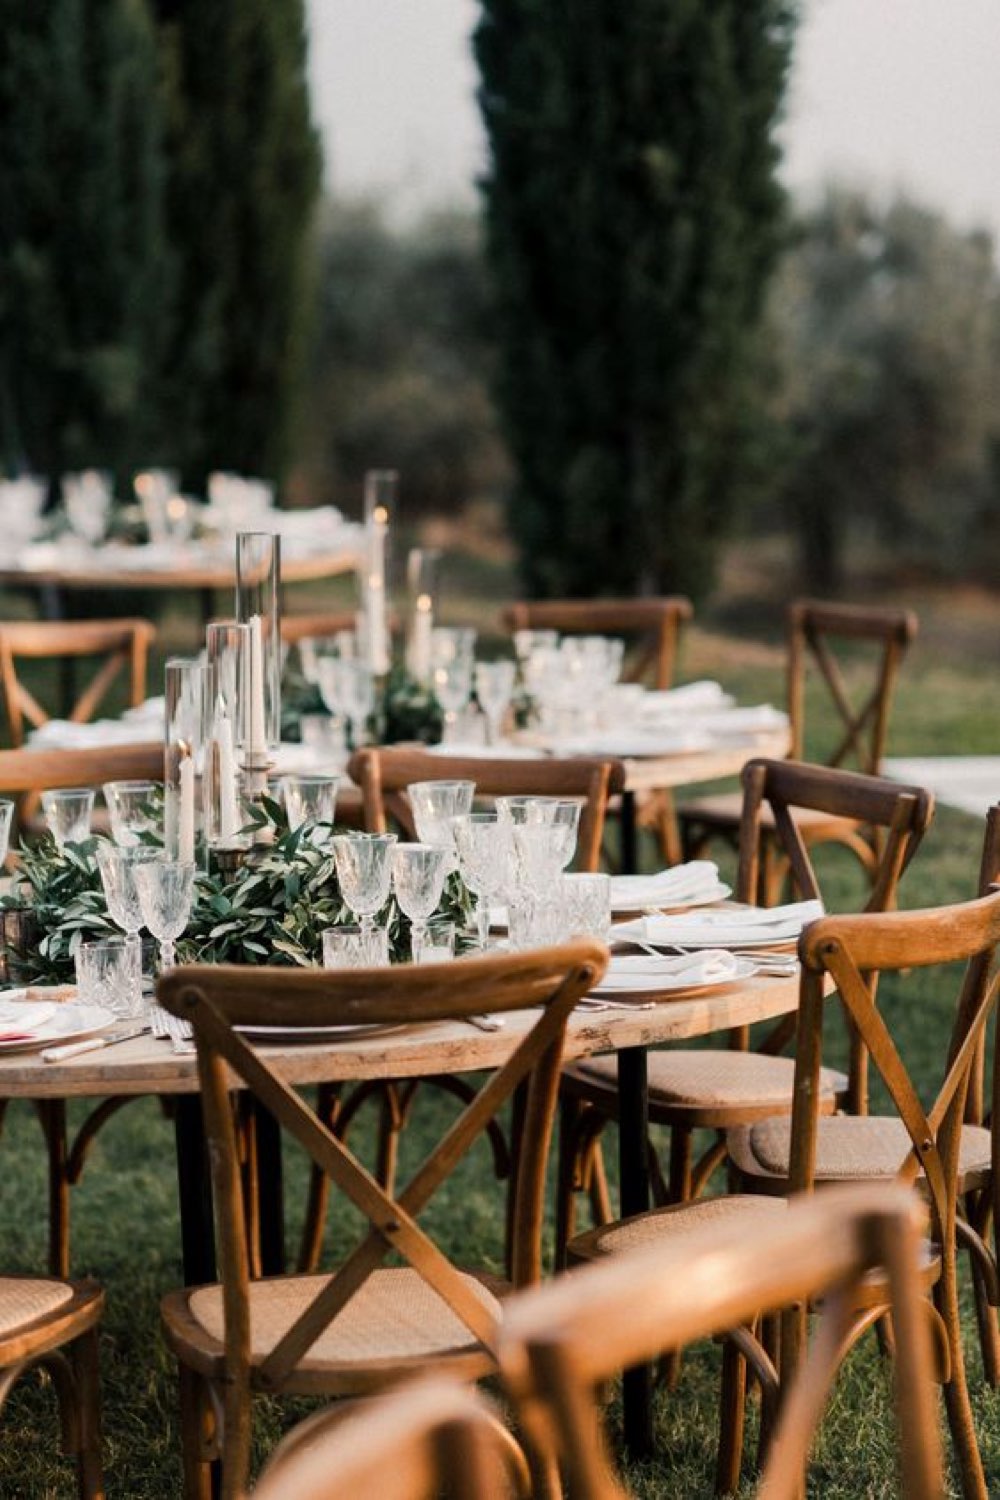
pixel 194 1436
pixel 732 1419
pixel 680 1164
pixel 566 1177
pixel 90 1475
pixel 956 1391
pixel 311 1244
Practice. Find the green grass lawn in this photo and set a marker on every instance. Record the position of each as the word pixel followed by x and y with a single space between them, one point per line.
pixel 125 1230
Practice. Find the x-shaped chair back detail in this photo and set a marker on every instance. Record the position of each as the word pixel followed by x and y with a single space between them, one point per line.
pixel 124 645
pixel 384 775
pixel 219 999
pixel 562 1341
pixel 652 626
pixel 853 951
pixel 815 630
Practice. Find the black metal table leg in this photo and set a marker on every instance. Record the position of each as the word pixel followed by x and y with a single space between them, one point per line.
pixel 194 1189
pixel 633 1167
pixel 629 834
pixel 270 1190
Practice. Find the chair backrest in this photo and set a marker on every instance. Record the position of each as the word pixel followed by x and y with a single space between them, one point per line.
pixel 816 632
pixel 430 1438
pixel 383 776
pixel 219 999
pixel 851 952
pixel 902 814
pixel 24 774
pixel 123 645
pixel 653 624
pixel 563 1340
pixel 899 814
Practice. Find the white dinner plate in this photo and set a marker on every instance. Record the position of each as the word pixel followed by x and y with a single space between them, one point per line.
pixel 71 1022
pixel 644 894
pixel 625 980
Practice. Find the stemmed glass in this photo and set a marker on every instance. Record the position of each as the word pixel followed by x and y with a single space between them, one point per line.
pixel 494 689
pixel 484 850
pixel 452 689
pixel 311 799
pixel 418 876
pixel 348 687
pixel 68 811
pixel 121 891
pixel 129 810
pixel 166 892
pixel 364 871
pixel 87 500
pixel 434 805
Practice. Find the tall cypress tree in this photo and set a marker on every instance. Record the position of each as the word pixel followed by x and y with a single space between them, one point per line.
pixel 245 168
pixel 83 267
pixel 633 216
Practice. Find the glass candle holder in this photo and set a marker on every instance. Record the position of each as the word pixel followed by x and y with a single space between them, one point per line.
pixel 380 498
pixel 422 569
pixel 228 652
pixel 258 569
pixel 184 689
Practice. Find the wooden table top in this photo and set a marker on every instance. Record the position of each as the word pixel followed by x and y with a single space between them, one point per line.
pixel 208 575
pixel 649 773
pixel 146 1066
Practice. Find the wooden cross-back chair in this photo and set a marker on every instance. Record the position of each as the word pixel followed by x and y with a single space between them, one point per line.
pixel 817 632
pixel 31 772
pixel 430 1438
pixel 367 1325
pixel 933 1146
pixel 651 626
pixel 717 1088
pixel 562 1341
pixel 123 645
pixel 52 1325
pixel 384 774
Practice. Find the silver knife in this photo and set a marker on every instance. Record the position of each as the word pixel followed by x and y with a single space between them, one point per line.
pixel 92 1044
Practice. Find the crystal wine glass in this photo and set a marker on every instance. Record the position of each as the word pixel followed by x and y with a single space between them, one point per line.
pixel 121 890
pixel 68 811
pixel 494 689
pixel 313 800
pixel 348 687
pixel 418 876
pixel 452 688
pixel 364 871
pixel 166 893
pixel 87 499
pixel 434 804
pixel 129 809
pixel 484 850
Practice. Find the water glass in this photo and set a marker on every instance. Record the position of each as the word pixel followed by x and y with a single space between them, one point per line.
pixel 130 810
pixel 348 687
pixel 586 906
pixel 108 973
pixel 364 872
pixel 534 923
pixel 438 944
pixel 166 894
pixel 68 811
pixel 494 689
pixel 313 800
pixel 350 947
pixel 418 876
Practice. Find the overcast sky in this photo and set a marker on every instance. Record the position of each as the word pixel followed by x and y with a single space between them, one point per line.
pixel 891 93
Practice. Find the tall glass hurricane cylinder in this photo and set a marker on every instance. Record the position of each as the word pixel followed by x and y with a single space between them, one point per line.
pixel 258 571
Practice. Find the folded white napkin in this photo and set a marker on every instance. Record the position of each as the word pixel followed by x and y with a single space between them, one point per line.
pixel 642 972
pixel 62 734
pixel 631 743
pixel 679 886
pixel 721 927
pixel 693 695
pixel 487 752
pixel 149 711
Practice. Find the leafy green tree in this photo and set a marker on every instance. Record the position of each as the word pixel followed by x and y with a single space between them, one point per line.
pixel 245 168
pixel 886 331
pixel 633 218
pixel 83 268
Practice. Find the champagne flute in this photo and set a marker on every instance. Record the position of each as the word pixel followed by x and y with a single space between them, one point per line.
pixel 494 689
pixel 418 876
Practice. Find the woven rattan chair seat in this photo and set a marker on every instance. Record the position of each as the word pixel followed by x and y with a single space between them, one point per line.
pixel 667 1225
pixel 24 1299
pixel 848 1147
pixel 394 1316
pixel 709 1078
